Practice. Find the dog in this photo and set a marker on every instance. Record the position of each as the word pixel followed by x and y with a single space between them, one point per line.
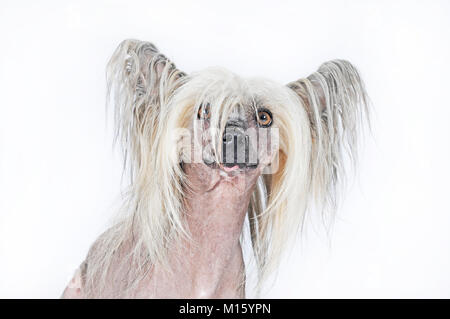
pixel 207 151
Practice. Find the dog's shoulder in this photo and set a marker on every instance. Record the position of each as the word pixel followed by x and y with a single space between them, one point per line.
pixel 74 288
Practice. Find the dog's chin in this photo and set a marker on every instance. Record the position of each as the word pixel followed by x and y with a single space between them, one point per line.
pixel 218 177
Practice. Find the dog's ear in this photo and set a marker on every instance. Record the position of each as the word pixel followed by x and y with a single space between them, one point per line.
pixel 138 66
pixel 140 80
pixel 337 105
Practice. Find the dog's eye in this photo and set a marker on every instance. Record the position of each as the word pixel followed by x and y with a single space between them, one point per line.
pixel 264 118
pixel 203 112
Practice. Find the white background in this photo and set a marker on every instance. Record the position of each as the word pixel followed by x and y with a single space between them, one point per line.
pixel 60 179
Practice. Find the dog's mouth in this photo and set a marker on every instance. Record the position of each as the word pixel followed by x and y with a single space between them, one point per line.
pixel 231 168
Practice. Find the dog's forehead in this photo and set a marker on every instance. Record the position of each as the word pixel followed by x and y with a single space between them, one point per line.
pixel 245 108
pixel 241 112
pixel 222 84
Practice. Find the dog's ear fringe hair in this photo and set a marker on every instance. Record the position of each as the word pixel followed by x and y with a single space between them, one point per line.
pixel 140 81
pixel 338 108
pixel 140 84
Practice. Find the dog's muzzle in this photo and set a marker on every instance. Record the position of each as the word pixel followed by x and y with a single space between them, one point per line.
pixel 238 148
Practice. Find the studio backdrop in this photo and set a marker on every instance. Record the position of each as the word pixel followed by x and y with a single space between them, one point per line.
pixel 61 178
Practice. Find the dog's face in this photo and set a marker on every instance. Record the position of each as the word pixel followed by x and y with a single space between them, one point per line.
pixel 244 148
pixel 239 145
pixel 233 141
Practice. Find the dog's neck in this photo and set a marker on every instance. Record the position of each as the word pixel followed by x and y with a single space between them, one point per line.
pixel 215 208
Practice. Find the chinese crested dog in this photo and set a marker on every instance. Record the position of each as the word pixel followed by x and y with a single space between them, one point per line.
pixel 212 155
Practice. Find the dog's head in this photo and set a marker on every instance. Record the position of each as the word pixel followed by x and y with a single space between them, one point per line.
pixel 237 129
pixel 290 141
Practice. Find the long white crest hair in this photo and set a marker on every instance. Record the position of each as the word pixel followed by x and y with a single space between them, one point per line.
pixel 318 118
